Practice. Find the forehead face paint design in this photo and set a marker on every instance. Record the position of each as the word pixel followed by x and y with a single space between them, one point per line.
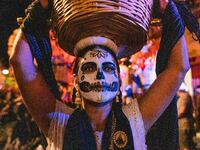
pixel 101 82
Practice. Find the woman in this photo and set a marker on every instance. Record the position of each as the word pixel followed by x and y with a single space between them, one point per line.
pixel 97 81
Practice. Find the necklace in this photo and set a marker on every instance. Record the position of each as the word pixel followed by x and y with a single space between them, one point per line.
pixel 111 147
pixel 118 138
pixel 98 137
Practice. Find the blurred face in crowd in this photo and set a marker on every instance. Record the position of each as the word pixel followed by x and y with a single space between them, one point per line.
pixel 97 77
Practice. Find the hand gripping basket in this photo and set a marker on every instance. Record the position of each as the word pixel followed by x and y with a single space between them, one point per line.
pixel 125 22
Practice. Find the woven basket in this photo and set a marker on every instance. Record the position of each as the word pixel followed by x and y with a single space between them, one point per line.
pixel 125 22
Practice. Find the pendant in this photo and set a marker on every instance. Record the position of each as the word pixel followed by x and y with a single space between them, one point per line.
pixel 120 139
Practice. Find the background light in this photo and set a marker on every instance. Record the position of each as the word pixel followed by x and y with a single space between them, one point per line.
pixel 5 71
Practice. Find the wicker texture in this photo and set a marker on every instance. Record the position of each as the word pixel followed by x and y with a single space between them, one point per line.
pixel 123 21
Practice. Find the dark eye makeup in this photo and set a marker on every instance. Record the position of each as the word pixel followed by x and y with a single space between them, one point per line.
pixel 89 67
pixel 108 67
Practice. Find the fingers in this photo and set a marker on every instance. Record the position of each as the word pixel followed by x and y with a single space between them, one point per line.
pixel 44 3
pixel 163 5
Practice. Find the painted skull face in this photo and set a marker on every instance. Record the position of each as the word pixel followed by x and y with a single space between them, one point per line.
pixel 97 76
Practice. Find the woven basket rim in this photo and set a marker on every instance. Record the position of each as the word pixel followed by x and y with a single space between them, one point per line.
pixel 117 20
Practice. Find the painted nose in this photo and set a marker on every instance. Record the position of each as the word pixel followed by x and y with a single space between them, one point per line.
pixel 100 75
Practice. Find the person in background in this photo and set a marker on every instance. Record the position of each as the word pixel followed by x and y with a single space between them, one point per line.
pixel 185 119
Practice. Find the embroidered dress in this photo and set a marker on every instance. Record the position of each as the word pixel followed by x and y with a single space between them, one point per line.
pixel 98 138
pixel 62 113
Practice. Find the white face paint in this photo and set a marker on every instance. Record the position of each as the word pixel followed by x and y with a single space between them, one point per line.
pixel 97 76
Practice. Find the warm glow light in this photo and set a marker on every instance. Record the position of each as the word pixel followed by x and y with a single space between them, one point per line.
pixel 5 71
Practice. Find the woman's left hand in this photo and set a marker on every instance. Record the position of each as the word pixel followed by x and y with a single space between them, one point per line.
pixel 163 5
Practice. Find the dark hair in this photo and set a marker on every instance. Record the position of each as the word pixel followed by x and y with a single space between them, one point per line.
pixel 82 52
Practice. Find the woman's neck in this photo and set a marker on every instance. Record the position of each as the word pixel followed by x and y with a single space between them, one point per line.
pixel 98 115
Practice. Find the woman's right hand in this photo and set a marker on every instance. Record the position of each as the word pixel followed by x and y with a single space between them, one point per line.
pixel 44 3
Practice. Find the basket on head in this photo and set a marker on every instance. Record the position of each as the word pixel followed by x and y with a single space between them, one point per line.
pixel 125 22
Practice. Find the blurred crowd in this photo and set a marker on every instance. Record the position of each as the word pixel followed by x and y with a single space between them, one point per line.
pixel 17 128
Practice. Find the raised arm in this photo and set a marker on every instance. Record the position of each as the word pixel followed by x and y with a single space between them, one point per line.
pixel 37 96
pixel 158 97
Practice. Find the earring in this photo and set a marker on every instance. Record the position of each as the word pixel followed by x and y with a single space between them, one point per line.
pixel 78 99
pixel 117 99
